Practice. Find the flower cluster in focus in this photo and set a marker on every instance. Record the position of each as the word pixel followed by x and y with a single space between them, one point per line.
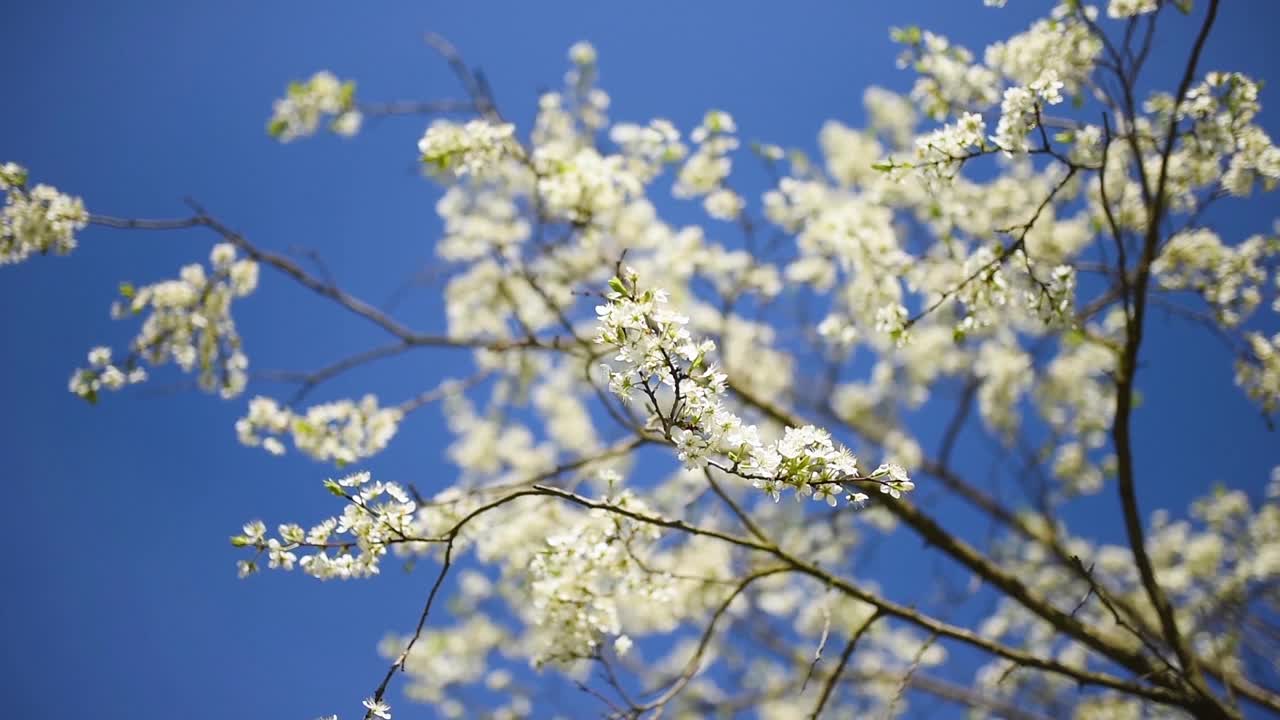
pixel 189 323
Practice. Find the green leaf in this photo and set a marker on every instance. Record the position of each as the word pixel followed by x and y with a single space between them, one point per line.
pixel 333 487
pixel 910 35
pixel 127 290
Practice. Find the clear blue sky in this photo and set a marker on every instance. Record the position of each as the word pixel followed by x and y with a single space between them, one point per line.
pixel 121 599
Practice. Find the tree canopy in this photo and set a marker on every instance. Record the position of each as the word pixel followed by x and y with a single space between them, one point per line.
pixel 686 451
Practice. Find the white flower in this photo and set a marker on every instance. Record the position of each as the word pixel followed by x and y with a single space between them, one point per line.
pixel 1130 8
pixel 451 150
pixel 582 53
pixel 36 220
pixel 723 204
pixel 378 708
pixel 100 356
pixel 893 480
pixel 342 431
pixel 298 114
pixel 622 645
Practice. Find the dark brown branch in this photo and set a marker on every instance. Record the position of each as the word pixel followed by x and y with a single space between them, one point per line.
pixel 839 670
pixel 1121 429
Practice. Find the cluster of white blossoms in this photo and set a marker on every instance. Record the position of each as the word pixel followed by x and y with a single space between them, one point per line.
pixel 890 115
pixel 589 103
pixel 657 356
pixel 1006 372
pixel 1060 44
pixel 1020 111
pixel 448 657
pixel 102 374
pixel 340 432
pixel 1259 374
pixel 704 173
pixel 577 184
pixel 443 662
pixel 36 220
pixel 190 323
pixel 949 81
pixel 1228 278
pixel 1223 108
pixel 1226 551
pixel 648 148
pixel 1129 8
pixel 1077 398
pixel 850 154
pixel 941 153
pixel 305 104
pixel 451 149
pixel 350 545
pixel 478 223
pixel 578 578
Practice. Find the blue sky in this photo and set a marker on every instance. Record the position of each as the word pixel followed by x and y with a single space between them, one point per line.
pixel 122 599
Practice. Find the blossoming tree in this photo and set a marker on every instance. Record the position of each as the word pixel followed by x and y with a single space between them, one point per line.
pixel 653 412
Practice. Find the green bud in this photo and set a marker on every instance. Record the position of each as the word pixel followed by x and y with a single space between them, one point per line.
pixel 347 94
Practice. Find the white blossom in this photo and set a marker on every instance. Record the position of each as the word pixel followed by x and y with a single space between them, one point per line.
pixel 36 220
pixel 305 104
